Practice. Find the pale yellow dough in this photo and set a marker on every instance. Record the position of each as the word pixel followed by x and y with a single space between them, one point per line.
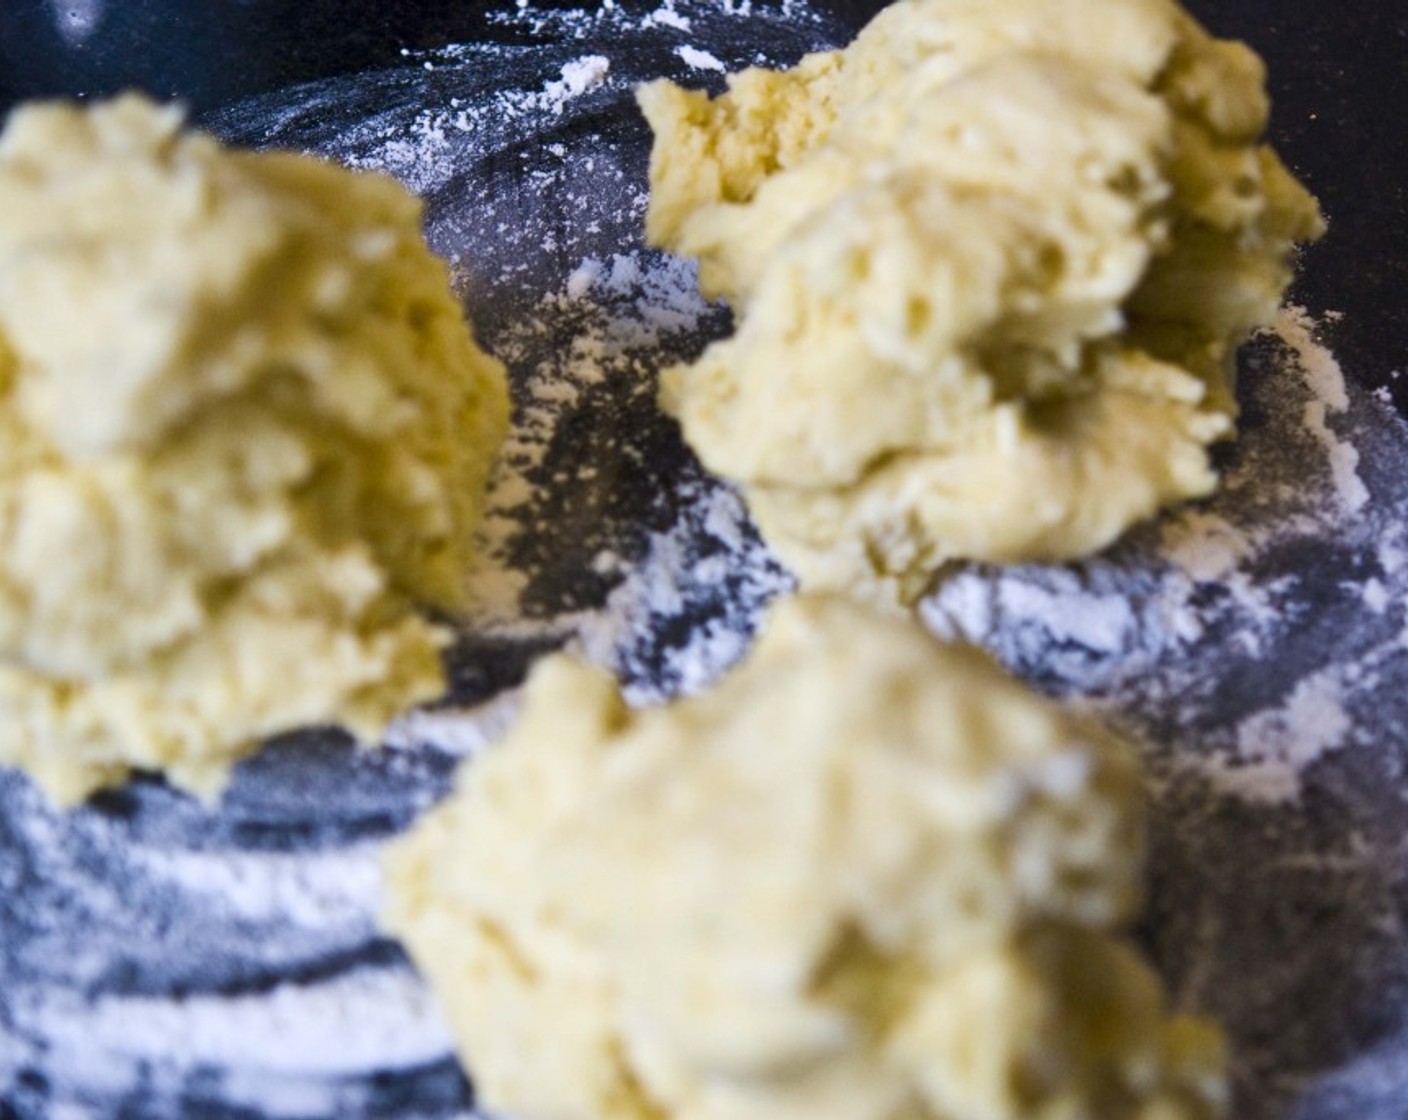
pixel 243 429
pixel 867 877
pixel 991 263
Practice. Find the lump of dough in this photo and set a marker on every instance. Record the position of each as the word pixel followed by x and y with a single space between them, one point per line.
pixel 866 877
pixel 243 429
pixel 991 263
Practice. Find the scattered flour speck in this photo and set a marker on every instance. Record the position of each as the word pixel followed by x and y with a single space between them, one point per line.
pixel 700 60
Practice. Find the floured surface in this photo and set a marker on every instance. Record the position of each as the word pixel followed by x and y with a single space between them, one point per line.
pixel 162 957
pixel 1291 580
pixel 1256 643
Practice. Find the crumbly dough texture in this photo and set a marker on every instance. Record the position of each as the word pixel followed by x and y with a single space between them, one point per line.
pixel 992 263
pixel 866 877
pixel 243 428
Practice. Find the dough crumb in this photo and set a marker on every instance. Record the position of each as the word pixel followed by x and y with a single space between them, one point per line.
pixel 243 430
pixel 992 263
pixel 867 876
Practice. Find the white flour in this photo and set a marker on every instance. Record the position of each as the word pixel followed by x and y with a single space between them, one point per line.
pixel 607 320
pixel 1149 626
pixel 423 155
pixel 287 1045
pixel 624 310
pixel 661 589
pixel 696 59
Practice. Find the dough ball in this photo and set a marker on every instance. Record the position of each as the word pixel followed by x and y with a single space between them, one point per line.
pixel 243 429
pixel 867 876
pixel 991 262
